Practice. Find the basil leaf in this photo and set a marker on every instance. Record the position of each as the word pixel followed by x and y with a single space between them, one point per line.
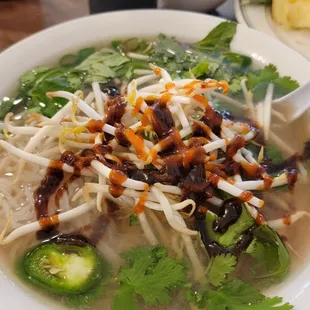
pixel 219 38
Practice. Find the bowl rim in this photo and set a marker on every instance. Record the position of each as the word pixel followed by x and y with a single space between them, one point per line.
pixel 197 19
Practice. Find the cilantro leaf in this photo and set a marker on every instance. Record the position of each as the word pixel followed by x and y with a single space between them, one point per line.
pixel 35 84
pixel 242 292
pixel 265 255
pixel 30 76
pixel 133 220
pixel 131 45
pixel 151 274
pixel 173 56
pixel 287 83
pixel 201 69
pixel 51 83
pixel 220 266
pixel 235 85
pixel 258 82
pixel 224 72
pixel 272 152
pixel 167 48
pixel 74 71
pixel 236 295
pixel 71 60
pixel 102 65
pixel 198 298
pixel 5 107
pixel 156 287
pixel 280 90
pixel 219 38
pixel 238 60
pixel 135 253
pixel 233 69
pixel 271 258
pixel 125 296
pixel 267 74
pixel 125 72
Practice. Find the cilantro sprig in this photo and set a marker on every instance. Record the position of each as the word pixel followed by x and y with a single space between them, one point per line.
pixel 224 292
pixel 151 274
pixel 269 259
pixel 237 295
pixel 258 81
pixel 219 267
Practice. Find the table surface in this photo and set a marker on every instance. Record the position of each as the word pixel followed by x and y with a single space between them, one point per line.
pixel 21 18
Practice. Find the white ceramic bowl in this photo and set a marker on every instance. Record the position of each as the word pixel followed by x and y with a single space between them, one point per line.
pixel 49 45
pixel 259 17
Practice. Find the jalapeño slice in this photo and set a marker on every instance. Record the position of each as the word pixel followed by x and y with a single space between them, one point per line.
pixel 64 266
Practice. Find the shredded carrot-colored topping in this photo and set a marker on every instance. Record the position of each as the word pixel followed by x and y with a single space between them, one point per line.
pixel 138 105
pixel 153 154
pixel 148 112
pixel 151 98
pixel 169 86
pixel 231 182
pixel 117 177
pixel 202 99
pixel 192 84
pixel 137 142
pixel 139 208
pixel 157 71
pixel 190 91
pixel 165 98
pixel 213 156
pixel 260 219
pixel 144 120
pixel 224 85
pixel 287 219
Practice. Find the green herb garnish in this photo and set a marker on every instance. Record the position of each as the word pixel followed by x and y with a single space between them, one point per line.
pixel 150 274
pixel 219 38
pixel 219 267
pixel 208 58
pixel 223 291
pixel 133 220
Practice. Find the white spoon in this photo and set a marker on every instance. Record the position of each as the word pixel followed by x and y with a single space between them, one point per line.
pixel 293 105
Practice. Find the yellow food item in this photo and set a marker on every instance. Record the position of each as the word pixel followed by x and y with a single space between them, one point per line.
pixel 291 13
